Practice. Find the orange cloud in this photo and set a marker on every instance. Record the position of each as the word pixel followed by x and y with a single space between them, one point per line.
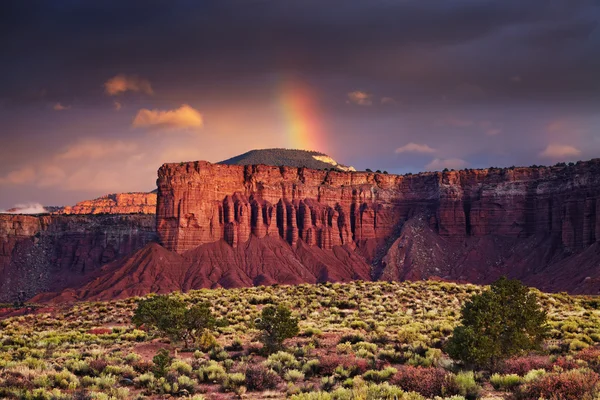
pixel 50 175
pixel 117 105
pixel 388 100
pixel 556 151
pixel 415 148
pixel 180 118
pixel 360 98
pixel 94 149
pixel 123 83
pixel 19 176
pixel 438 164
pixel 60 107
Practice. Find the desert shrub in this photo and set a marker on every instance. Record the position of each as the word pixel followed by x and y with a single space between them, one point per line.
pixel 105 381
pixel 64 379
pixel 282 361
pixel 370 348
pixel 212 372
pixel 570 385
pixel 146 380
pixel 162 360
pixel 379 376
pixel 259 378
pixel 186 383
pixel 499 323
pixel 234 380
pixel 132 358
pixel 181 367
pixel 564 364
pixel 505 382
pixel 78 367
pixel 391 355
pixel 352 338
pixel 429 382
pixel 311 331
pixel 276 324
pixel 577 345
pixel 410 333
pixel 367 392
pixel 143 366
pixel 311 368
pixel 293 375
pixel 387 391
pixel 522 365
pixel 591 356
pixel 344 348
pixel 533 375
pixel 98 365
pixel 465 385
pixel 328 364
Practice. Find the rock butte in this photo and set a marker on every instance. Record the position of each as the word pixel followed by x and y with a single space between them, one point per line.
pixel 201 203
pixel 230 226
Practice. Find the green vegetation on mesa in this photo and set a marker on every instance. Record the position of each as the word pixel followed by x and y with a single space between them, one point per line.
pixel 359 340
pixel 280 157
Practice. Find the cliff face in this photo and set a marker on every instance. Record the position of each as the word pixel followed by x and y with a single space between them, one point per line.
pixel 201 203
pixel 116 203
pixel 231 226
pixel 51 252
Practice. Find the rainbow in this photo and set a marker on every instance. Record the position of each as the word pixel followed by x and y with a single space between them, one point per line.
pixel 302 120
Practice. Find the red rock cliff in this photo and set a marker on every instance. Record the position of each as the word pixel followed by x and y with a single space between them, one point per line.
pixel 116 203
pixel 51 252
pixel 200 203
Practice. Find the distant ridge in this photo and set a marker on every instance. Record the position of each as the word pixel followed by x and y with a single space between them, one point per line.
pixel 287 157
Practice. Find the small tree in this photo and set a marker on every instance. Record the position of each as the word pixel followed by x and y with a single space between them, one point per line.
pixel 501 322
pixel 163 313
pixel 276 324
pixel 162 361
pixel 196 320
pixel 171 317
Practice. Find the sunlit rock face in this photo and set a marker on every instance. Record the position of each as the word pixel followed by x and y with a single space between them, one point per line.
pixel 231 226
pixel 116 203
pixel 200 203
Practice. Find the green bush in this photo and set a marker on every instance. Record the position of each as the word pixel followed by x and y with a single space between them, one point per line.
pixel 505 382
pixel 466 385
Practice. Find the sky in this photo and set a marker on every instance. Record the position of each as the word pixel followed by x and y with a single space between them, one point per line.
pixel 96 95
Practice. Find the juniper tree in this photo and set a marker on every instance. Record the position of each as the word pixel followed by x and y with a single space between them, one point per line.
pixel 276 324
pixel 501 322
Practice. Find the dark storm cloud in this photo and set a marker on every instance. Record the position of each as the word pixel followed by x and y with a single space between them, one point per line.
pixel 479 82
pixel 425 49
